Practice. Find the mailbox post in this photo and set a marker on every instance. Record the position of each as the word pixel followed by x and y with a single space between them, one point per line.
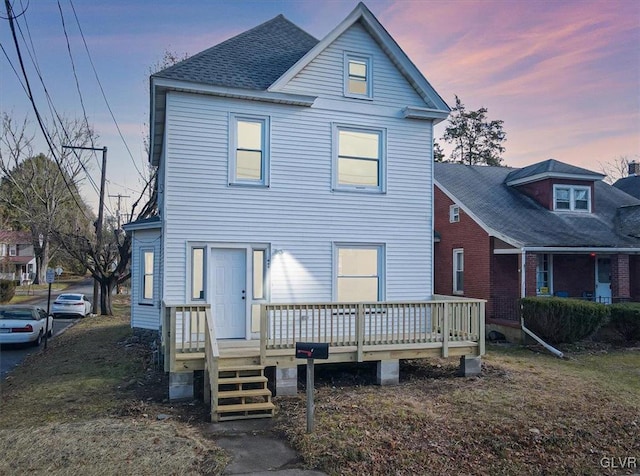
pixel 311 351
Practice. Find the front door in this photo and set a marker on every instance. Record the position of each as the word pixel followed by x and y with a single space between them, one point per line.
pixel 228 282
pixel 603 280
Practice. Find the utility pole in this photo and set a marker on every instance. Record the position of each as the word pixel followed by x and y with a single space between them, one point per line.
pixel 98 223
pixel 120 197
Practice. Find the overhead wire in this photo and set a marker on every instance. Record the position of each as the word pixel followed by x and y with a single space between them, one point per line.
pixel 104 96
pixel 29 92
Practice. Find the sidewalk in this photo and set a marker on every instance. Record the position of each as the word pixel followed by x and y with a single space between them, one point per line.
pixel 256 450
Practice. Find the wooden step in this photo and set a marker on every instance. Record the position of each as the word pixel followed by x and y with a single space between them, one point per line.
pixel 257 392
pixel 241 380
pixel 246 407
pixel 242 368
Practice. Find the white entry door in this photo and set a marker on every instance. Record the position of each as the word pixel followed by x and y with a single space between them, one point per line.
pixel 603 280
pixel 228 283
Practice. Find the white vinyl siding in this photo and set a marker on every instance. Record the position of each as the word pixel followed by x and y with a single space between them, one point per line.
pixel 145 314
pixel 325 77
pixel 300 214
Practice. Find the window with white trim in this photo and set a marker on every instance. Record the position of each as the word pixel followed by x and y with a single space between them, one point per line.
pixel 147 275
pixel 573 198
pixel 359 273
pixel 458 271
pixel 454 214
pixel 359 159
pixel 358 82
pixel 259 274
pixel 249 150
pixel 13 250
pixel 197 273
pixel 543 275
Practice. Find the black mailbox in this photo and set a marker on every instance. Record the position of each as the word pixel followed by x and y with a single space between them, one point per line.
pixel 312 350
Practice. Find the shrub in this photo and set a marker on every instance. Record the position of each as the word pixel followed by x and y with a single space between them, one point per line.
pixel 625 319
pixel 557 320
pixel 7 290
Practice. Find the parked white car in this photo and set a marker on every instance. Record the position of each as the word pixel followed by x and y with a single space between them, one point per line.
pixel 76 305
pixel 23 324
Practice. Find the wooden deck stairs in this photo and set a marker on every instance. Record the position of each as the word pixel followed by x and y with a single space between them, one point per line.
pixel 242 393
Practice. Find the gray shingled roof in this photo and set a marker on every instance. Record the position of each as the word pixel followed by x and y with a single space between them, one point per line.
pixel 550 166
pixel 630 185
pixel 251 60
pixel 504 209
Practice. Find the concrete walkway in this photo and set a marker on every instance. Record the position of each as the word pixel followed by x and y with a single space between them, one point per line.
pixel 256 450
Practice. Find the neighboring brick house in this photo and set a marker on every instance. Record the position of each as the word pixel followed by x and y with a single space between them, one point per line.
pixel 546 229
pixel 17 258
pixel 631 183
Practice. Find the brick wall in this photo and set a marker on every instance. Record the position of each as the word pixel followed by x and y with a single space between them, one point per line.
pixel 634 277
pixel 505 288
pixel 620 277
pixel 531 265
pixel 465 234
pixel 574 274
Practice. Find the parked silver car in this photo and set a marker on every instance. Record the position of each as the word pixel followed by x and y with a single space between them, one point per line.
pixel 20 324
pixel 75 305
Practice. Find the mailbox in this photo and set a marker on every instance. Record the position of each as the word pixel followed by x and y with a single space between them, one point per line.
pixel 312 350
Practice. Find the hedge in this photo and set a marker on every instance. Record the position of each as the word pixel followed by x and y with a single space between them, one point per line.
pixel 7 290
pixel 562 320
pixel 625 319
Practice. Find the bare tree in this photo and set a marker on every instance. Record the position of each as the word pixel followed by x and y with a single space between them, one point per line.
pixel 616 169
pixel 38 193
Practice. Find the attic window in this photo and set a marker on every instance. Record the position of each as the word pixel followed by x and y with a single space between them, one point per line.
pixel 571 198
pixel 357 76
pixel 454 214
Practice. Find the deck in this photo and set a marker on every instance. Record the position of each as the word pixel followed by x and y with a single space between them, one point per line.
pixel 356 332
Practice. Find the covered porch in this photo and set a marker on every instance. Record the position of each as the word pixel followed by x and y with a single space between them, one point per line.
pixel 241 375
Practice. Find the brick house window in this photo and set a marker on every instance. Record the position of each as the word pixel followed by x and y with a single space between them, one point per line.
pixel 543 275
pixel 571 198
pixel 458 271
pixel 454 214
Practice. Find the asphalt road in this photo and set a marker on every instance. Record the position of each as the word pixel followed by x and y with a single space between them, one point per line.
pixel 12 355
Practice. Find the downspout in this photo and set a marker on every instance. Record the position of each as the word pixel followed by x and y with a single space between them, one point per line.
pixel 523 289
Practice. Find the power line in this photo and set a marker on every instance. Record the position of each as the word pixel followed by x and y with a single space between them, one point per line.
pixel 102 90
pixel 10 18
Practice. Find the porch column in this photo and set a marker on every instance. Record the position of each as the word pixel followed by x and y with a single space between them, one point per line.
pixel 620 282
pixel 531 268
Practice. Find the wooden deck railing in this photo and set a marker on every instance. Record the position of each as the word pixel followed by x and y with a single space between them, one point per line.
pixel 189 330
pixel 441 320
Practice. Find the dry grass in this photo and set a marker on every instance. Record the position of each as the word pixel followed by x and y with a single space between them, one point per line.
pixel 89 405
pixel 527 414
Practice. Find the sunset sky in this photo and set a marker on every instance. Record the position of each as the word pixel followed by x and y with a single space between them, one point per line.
pixel 564 76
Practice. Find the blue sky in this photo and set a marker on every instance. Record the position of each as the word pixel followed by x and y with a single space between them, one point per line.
pixel 564 76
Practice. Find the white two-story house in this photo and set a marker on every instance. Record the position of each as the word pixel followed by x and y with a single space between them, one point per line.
pixel 293 173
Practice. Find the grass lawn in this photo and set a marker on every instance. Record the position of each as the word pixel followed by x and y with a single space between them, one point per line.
pixel 90 404
pixel 529 413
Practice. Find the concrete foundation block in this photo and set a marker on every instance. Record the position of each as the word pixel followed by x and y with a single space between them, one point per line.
pixel 470 365
pixel 388 372
pixel 181 386
pixel 286 381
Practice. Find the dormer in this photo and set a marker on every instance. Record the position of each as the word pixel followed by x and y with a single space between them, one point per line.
pixel 557 186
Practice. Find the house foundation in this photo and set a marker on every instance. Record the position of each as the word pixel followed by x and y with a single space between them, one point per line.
pixel 181 386
pixel 388 372
pixel 470 366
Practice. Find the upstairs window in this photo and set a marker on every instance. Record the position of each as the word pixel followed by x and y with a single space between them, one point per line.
pixel 571 198
pixel 454 214
pixel 359 159
pixel 249 154
pixel 357 77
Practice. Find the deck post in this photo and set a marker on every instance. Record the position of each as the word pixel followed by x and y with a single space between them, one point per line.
pixel 388 372
pixel 445 330
pixel 263 334
pixel 481 333
pixel 360 332
pixel 172 339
